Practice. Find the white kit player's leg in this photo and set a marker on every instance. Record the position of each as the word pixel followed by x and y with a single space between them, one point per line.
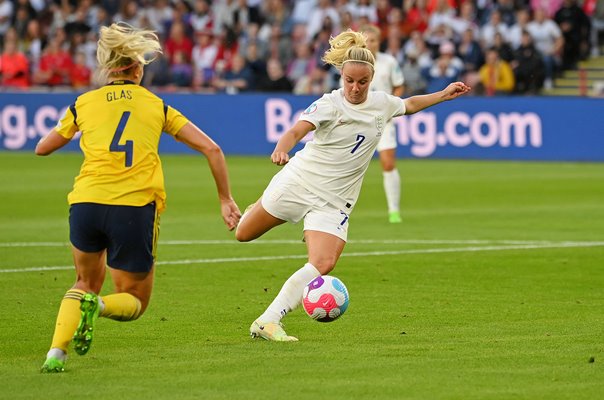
pixel 290 295
pixel 268 325
pixel 392 180
pixel 392 188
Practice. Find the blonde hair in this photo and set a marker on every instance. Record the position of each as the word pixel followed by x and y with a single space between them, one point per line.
pixel 348 46
pixel 371 29
pixel 121 47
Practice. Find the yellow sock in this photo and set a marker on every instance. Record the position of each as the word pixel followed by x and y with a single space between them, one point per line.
pixel 67 319
pixel 121 307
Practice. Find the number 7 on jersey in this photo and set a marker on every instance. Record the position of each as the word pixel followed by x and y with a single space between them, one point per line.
pixel 360 139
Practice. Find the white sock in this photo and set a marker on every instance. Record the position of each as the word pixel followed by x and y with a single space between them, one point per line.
pixel 57 353
pixel 392 187
pixel 290 295
pixel 101 304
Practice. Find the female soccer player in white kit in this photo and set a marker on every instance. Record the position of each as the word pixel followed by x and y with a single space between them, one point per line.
pixel 388 78
pixel 321 183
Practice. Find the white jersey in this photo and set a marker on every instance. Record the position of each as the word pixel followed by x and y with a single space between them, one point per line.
pixel 333 164
pixel 387 75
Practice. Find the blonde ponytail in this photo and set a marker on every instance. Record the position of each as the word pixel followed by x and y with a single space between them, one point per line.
pixel 348 46
pixel 121 47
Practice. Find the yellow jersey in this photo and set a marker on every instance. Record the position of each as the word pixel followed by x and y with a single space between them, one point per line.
pixel 121 124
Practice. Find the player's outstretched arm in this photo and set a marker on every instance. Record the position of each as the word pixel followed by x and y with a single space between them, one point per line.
pixel 289 139
pixel 49 143
pixel 417 103
pixel 196 139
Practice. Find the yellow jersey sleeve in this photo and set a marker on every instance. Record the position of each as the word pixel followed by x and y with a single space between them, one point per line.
pixel 67 126
pixel 174 120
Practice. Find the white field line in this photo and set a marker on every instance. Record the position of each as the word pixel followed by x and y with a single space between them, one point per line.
pixel 279 241
pixel 352 254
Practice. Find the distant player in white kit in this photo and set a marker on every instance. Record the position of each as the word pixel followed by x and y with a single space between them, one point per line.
pixel 388 78
pixel 321 183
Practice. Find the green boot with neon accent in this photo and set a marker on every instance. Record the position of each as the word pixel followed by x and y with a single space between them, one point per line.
pixel 395 217
pixel 82 338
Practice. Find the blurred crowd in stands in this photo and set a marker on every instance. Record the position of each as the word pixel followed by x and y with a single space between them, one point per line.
pixel 236 46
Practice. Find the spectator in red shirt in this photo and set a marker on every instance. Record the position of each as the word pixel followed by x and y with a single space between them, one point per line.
pixel 228 47
pixel 417 16
pixel 383 9
pixel 435 4
pixel 80 73
pixel 14 66
pixel 178 42
pixel 55 65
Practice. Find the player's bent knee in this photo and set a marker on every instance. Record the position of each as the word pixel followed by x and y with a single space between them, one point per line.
pixel 89 287
pixel 388 166
pixel 242 236
pixel 325 265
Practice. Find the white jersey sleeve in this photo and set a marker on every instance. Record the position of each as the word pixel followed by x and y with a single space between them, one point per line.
pixel 319 113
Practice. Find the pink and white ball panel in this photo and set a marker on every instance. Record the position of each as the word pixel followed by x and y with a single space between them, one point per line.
pixel 325 298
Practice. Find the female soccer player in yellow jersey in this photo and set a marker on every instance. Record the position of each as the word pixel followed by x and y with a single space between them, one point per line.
pixel 118 195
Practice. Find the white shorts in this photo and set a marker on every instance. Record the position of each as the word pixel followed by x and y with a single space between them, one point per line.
pixel 388 140
pixel 286 199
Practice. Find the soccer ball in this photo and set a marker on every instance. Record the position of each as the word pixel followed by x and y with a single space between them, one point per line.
pixel 325 298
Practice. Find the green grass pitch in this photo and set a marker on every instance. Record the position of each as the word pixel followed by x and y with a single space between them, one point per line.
pixel 491 288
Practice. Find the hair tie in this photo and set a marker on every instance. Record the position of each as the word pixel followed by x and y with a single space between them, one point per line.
pixel 113 70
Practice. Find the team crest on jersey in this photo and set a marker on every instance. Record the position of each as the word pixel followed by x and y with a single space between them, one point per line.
pixel 311 109
pixel 379 124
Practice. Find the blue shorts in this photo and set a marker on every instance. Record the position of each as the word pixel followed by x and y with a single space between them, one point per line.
pixel 128 233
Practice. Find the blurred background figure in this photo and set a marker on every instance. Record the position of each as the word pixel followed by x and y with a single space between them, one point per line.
pixel 302 64
pixel 201 17
pixel 178 42
pixel 14 66
pixel 55 65
pixel 496 76
pixel 597 27
pixel 493 26
pixel 256 64
pixel 236 80
pixel 203 56
pixel 503 47
pixel 157 74
pixel 528 67
pixel 315 83
pixel 80 74
pixel 6 13
pixel 575 27
pixel 412 71
pixel 275 79
pixel 472 56
pixel 523 17
pixel 158 15
pixel 446 69
pixel 548 39
pixel 181 71
pixel 324 9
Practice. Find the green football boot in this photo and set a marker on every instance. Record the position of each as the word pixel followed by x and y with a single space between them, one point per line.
pixel 53 364
pixel 394 217
pixel 82 338
pixel 270 331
